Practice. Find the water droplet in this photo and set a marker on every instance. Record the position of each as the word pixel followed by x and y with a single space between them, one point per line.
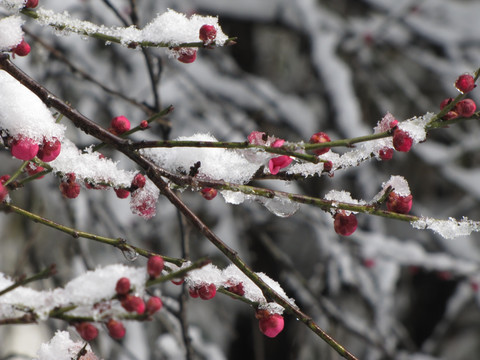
pixel 280 206
pixel 130 254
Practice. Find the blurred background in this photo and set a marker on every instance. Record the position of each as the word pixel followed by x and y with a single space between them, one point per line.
pixel 298 67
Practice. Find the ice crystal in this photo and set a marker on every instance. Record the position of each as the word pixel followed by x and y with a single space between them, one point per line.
pixel 449 229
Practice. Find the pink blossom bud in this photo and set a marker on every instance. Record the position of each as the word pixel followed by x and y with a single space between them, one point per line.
pixel 345 224
pixel 155 265
pixel 319 138
pixel 278 163
pixel 24 148
pixel 465 108
pixel 123 286
pixel 270 324
pixel 119 125
pixel 207 34
pixel 402 141
pixel 87 331
pixel 399 204
pixel 116 329
pixel 153 305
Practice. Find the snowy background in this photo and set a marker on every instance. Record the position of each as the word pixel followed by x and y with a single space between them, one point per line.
pixel 386 292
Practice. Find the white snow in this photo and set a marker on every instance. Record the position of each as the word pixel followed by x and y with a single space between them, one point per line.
pixel 398 184
pixel 11 33
pixel 89 166
pixel 13 5
pixel 61 347
pixel 23 113
pixel 450 228
pixel 85 290
pixel 219 164
pixel 170 28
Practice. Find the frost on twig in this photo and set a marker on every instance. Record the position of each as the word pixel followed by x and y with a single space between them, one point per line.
pixel 450 228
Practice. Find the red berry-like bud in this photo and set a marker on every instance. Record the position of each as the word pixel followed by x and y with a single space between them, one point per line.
pixel 445 102
pixel 31 4
pixel 207 34
pixel 144 124
pixel 237 289
pixel 24 148
pixel 345 224
pixel 49 150
pixel 87 331
pixel 465 83
pixel 369 263
pixel 399 204
pixel 153 305
pixel 119 125
pixel 402 141
pixel 155 265
pixel 465 108
pixel 116 329
pixel 22 49
pixel 69 188
pixel 122 193
pixel 139 181
pixel 3 192
pixel 123 286
pixel 207 292
pixel 327 166
pixel 209 193
pixel 386 154
pixel 133 303
pixel 193 292
pixel 270 324
pixel 33 169
pixel 319 138
pixel 187 55
pixel 450 115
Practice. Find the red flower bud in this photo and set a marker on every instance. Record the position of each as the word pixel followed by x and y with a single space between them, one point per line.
pixel 345 224
pixel 319 138
pixel 153 305
pixel 87 331
pixel 116 329
pixel 399 204
pixel 207 34
pixel 123 286
pixel 465 83
pixel 209 193
pixel 465 108
pixel 155 265
pixel 402 141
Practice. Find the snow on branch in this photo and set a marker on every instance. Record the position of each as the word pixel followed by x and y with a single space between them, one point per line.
pixel 169 29
pixel 449 229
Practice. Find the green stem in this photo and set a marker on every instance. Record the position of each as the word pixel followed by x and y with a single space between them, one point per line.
pixel 118 243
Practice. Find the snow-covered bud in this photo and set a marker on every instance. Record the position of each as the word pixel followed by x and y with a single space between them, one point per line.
pixel 123 286
pixel 399 204
pixel 319 138
pixel 207 292
pixel 465 108
pixel 207 34
pixel 155 265
pixel 237 289
pixel 270 324
pixel 49 150
pixel 24 148
pixel 345 224
pixel 22 49
pixel 87 331
pixel 139 181
pixel 153 305
pixel 386 153
pixel 115 329
pixel 465 83
pixel 402 141
pixel 186 55
pixel 119 125
pixel 70 188
pixel 209 193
